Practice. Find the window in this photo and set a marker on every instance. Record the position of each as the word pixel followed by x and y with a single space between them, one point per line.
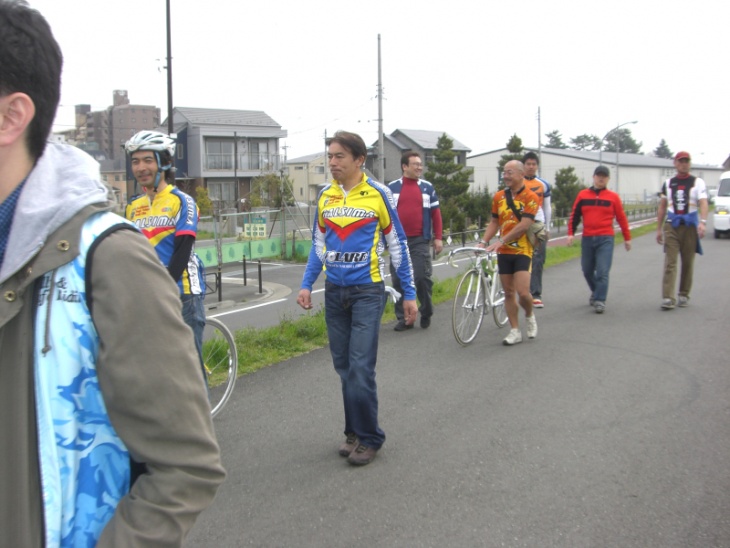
pixel 180 151
pixel 223 193
pixel 298 168
pixel 219 154
pixel 319 169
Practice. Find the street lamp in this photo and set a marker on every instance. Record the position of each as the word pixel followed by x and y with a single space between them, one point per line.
pixel 618 142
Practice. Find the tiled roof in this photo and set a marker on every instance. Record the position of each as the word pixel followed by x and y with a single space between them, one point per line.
pixel 226 117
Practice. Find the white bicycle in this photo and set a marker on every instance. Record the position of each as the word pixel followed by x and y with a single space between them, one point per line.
pixel 220 359
pixel 478 293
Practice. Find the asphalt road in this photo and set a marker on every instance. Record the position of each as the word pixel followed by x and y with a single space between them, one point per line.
pixel 607 430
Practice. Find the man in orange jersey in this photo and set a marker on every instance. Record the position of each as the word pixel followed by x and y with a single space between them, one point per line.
pixel 513 211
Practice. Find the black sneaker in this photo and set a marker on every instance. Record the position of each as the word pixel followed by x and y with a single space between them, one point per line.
pixel 425 322
pixel 401 326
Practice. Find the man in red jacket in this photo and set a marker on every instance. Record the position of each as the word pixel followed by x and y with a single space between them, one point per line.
pixel 597 207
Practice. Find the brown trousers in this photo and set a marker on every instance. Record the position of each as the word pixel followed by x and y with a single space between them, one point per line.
pixel 678 242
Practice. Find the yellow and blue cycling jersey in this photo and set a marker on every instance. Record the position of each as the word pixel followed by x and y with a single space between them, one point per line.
pixel 170 215
pixel 350 233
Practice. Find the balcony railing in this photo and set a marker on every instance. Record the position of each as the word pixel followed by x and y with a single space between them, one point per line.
pixel 252 161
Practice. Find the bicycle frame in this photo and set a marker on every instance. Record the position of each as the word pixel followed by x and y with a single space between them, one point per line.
pixel 479 291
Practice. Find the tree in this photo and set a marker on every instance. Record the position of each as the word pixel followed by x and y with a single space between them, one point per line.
pixel 515 151
pixel 663 151
pixel 203 200
pixel 624 140
pixel 566 188
pixel 555 140
pixel 266 191
pixel 586 142
pixel 451 181
pixel 478 206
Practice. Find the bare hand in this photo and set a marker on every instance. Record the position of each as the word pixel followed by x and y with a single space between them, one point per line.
pixel 570 240
pixel 495 246
pixel 701 230
pixel 438 246
pixel 627 245
pixel 659 237
pixel 410 311
pixel 304 299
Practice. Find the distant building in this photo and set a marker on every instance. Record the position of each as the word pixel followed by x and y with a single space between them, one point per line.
pixel 114 175
pixel 106 131
pixel 307 174
pixel 422 141
pixel 636 177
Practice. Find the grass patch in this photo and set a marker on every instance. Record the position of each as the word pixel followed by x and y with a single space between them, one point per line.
pixel 258 348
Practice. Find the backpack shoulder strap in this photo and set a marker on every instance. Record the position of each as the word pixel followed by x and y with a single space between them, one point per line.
pixel 90 255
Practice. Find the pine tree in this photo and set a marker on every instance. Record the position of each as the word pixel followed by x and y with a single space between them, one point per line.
pixel 566 188
pixel 451 181
pixel 663 151
pixel 555 140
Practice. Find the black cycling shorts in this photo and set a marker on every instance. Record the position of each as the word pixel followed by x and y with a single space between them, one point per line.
pixel 509 264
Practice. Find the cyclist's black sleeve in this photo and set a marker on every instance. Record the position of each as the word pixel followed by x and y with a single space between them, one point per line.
pixel 180 256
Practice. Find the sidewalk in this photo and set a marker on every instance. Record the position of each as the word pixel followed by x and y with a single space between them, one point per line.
pixel 234 292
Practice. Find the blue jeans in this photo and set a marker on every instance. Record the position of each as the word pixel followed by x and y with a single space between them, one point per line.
pixel 353 324
pixel 596 258
pixel 194 315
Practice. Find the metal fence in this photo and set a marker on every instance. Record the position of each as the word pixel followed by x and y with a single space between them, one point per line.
pixel 272 233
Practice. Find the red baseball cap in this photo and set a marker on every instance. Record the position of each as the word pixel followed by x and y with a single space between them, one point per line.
pixel 682 154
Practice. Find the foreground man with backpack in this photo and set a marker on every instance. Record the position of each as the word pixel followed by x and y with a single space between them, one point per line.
pixel 105 425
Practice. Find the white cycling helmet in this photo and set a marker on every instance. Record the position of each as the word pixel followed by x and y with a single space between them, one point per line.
pixel 151 140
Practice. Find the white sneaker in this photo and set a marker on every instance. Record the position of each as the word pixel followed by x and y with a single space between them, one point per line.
pixel 513 337
pixel 682 301
pixel 531 326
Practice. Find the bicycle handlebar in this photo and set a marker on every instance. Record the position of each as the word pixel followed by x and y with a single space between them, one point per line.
pixel 475 250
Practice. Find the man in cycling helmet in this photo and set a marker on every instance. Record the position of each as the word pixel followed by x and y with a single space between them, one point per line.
pixel 169 219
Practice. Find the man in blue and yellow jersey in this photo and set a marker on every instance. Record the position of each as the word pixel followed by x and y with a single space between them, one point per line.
pixel 513 211
pixel 355 218
pixel 169 219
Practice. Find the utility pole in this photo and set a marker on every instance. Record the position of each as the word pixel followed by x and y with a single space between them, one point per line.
pixel 381 143
pixel 539 141
pixel 170 126
pixel 169 72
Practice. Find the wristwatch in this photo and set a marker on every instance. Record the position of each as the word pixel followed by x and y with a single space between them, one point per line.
pixel 703 221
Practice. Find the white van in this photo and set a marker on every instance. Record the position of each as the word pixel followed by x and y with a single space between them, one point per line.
pixel 721 218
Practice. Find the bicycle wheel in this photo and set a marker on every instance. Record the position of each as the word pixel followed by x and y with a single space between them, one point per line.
pixel 498 310
pixel 468 307
pixel 221 363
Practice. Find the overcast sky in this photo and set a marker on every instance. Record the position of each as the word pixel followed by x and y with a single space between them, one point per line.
pixel 476 69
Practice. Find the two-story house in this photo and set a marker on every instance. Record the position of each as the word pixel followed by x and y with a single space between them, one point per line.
pixel 422 141
pixel 223 150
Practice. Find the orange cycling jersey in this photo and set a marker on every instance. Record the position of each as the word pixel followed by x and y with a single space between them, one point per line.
pixel 526 203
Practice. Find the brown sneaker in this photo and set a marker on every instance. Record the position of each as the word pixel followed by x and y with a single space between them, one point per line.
pixel 348 446
pixel 362 455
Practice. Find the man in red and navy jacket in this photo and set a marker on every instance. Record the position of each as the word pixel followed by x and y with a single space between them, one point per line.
pixel 420 215
pixel 597 207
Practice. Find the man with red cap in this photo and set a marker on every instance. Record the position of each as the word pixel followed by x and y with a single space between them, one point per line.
pixel 683 199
